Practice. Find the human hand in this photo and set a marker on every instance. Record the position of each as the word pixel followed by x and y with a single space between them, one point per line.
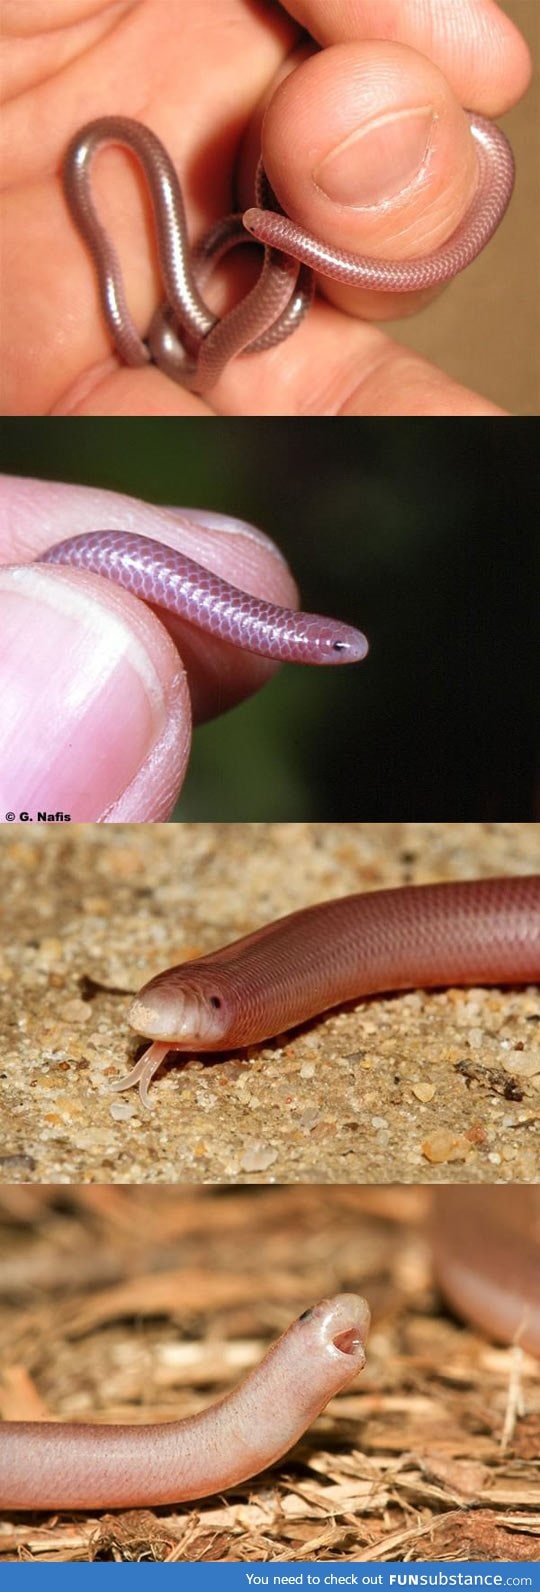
pixel 98 693
pixel 68 63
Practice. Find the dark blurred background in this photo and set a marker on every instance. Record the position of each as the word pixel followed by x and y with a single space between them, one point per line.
pixel 423 532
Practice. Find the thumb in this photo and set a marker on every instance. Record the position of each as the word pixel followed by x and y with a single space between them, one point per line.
pixel 96 720
pixel 367 147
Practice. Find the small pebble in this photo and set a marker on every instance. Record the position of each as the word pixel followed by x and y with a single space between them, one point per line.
pixel 206 1101
pixel 97 906
pixel 258 1157
pixel 76 1011
pixel 523 1066
pixel 49 951
pixel 423 1092
pixel 309 1118
pixel 122 1110
pixel 445 1146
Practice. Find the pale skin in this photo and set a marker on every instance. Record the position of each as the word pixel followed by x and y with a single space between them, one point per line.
pixel 222 62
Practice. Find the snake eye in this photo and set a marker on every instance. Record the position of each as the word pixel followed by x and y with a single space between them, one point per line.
pixel 215 1001
pixel 306 1314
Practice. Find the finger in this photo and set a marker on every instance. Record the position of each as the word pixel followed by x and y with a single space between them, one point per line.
pixel 482 54
pixel 368 148
pixel 110 389
pixel 338 366
pixel 36 514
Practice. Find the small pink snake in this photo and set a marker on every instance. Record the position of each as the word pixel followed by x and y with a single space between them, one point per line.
pixel 473 931
pixel 46 1466
pixel 167 578
pixel 186 340
pixel 485 1245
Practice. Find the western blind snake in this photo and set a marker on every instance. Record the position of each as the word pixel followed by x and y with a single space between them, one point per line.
pixel 186 340
pixel 168 578
pixel 486 1256
pixel 484 931
pixel 45 1466
pixel 486 1246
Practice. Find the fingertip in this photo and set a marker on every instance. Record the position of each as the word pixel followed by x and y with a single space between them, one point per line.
pixel 240 552
pixel 250 545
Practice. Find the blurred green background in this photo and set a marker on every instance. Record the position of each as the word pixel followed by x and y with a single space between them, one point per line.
pixel 424 532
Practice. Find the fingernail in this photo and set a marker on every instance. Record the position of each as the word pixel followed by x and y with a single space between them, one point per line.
pixel 209 520
pixel 376 162
pixel 84 702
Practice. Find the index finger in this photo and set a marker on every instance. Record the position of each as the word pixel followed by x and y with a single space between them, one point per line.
pixel 482 54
